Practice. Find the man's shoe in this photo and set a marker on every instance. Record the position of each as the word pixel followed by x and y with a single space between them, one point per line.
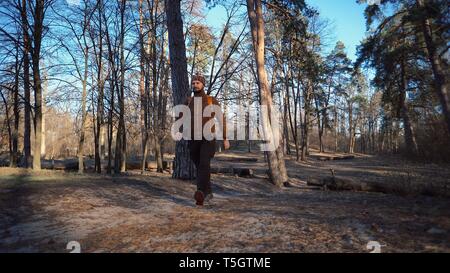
pixel 199 198
pixel 209 197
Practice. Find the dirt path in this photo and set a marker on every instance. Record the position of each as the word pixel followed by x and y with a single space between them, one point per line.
pixel 134 213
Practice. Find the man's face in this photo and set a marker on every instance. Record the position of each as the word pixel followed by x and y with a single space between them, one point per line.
pixel 197 86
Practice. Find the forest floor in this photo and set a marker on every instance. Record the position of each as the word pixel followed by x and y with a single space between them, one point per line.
pixel 43 211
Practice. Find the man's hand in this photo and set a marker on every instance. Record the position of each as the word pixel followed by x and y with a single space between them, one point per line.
pixel 226 144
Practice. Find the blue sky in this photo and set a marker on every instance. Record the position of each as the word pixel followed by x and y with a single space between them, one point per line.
pixel 346 15
pixel 348 20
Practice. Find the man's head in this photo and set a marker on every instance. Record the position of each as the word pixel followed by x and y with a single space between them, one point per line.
pixel 198 83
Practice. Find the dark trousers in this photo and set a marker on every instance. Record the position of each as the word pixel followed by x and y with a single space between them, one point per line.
pixel 202 151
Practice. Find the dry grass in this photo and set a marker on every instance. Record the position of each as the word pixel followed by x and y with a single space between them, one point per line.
pixel 43 211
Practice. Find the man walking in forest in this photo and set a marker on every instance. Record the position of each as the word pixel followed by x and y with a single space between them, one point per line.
pixel 202 148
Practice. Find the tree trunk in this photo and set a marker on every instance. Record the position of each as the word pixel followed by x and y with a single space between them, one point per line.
pixel 319 123
pixel 100 86
pixel 306 121
pixel 183 166
pixel 247 119
pixel 293 123
pixel 36 52
pixel 277 170
pixel 110 131
pixel 287 141
pixel 100 128
pixel 83 114
pixel 110 116
pixel 112 86
pixel 305 139
pixel 15 134
pixel 410 139
pixel 44 110
pixel 440 79
pixel 8 126
pixel 336 124
pixel 158 156
pixel 350 127
pixel 143 97
pixel 121 143
pixel 26 86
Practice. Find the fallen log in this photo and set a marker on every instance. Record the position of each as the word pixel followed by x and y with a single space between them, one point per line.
pixel 62 165
pixel 4 163
pixel 73 165
pixel 134 165
pixel 332 158
pixel 59 165
pixel 340 184
pixel 137 165
pixel 241 172
pixel 237 159
pixel 335 183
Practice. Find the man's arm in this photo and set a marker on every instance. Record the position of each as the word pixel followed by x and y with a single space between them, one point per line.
pixel 188 101
pixel 223 123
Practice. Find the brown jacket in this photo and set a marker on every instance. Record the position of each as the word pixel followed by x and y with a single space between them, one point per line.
pixel 206 100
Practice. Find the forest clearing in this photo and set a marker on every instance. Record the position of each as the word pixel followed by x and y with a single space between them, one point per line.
pixel 203 126
pixel 43 211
